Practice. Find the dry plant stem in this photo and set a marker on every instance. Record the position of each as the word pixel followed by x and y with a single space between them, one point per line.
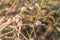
pixel 11 26
pixel 22 34
pixel 38 14
pixel 8 33
pixel 4 25
pixel 3 35
pixel 38 29
pixel 21 14
pixel 39 11
pixel 31 34
pixel 8 37
pixel 49 30
pixel 14 36
pixel 32 3
pixel 2 19
pixel 27 34
pixel 19 31
pixel 18 35
pixel 12 6
pixel 34 32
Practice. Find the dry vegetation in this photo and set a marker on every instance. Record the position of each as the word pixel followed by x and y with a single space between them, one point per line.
pixel 29 19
